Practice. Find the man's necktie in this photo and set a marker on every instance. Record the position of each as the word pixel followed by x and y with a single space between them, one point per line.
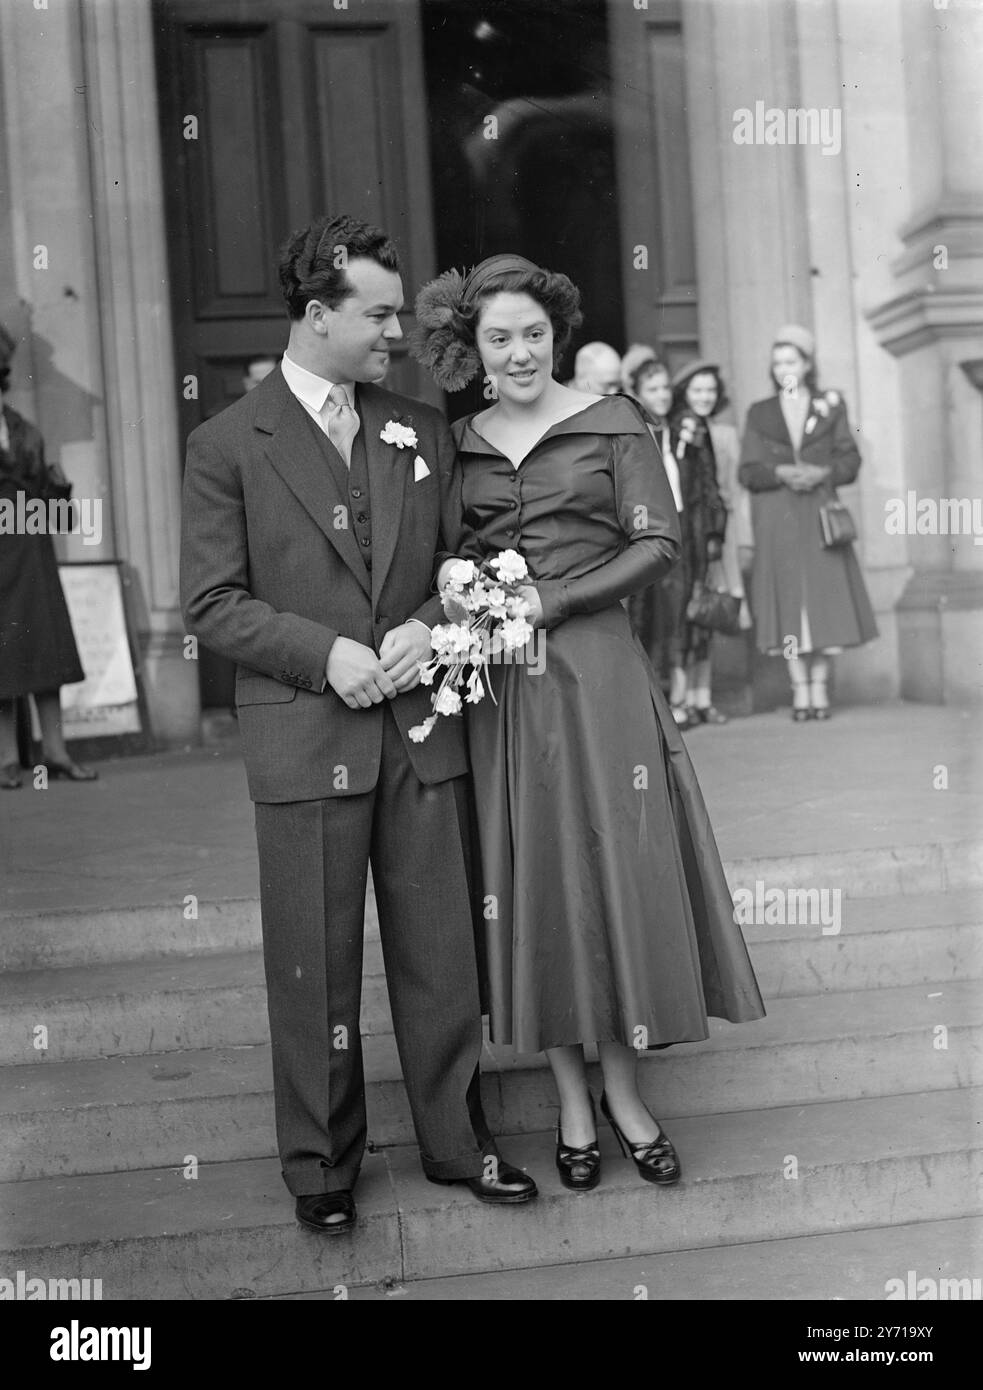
pixel 342 422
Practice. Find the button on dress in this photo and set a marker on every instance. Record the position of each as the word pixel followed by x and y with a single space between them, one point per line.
pixel 606 911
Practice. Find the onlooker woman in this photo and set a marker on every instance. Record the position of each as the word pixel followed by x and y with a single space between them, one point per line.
pixel 37 647
pixel 658 613
pixel 697 395
pixel 809 599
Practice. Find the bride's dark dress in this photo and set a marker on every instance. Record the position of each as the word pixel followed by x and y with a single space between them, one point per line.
pixel 606 907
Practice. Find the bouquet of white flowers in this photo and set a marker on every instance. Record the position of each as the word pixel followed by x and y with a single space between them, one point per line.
pixel 486 614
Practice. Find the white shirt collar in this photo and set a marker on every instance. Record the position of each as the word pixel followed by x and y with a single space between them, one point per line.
pixel 311 390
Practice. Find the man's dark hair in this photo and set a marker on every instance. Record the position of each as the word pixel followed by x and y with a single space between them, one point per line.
pixel 311 267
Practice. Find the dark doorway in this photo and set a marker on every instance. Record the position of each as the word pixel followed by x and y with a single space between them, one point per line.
pixel 522 147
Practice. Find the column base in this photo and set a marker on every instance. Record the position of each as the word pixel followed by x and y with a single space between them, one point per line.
pixel 171 685
pixel 940 637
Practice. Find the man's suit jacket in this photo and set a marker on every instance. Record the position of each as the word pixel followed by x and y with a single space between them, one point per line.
pixel 271 574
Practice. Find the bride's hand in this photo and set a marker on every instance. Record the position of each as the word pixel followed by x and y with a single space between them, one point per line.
pixel 444 571
pixel 531 596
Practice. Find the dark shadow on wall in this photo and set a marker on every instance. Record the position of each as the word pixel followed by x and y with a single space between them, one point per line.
pixel 63 410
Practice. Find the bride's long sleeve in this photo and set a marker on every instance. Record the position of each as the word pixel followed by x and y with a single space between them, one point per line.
pixel 649 520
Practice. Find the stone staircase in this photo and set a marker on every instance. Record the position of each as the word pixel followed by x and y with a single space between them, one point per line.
pixel 833 1145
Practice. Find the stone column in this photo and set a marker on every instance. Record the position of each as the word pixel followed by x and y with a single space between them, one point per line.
pixel 83 278
pixel 749 208
pixel 751 234
pixel 141 381
pixel 930 318
pixel 853 58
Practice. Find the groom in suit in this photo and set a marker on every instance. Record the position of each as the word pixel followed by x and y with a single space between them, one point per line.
pixel 314 509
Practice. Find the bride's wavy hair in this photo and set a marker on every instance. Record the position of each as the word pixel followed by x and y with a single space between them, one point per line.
pixel 447 316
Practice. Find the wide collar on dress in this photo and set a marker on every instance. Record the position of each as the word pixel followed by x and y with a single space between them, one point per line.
pixel 609 415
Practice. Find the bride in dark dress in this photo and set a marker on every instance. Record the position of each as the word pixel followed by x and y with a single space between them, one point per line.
pixel 609 919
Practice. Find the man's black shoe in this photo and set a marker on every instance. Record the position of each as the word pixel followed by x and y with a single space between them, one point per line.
pixel 508 1185
pixel 327 1212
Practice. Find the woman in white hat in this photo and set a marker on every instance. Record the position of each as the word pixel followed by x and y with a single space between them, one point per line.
pixel 809 600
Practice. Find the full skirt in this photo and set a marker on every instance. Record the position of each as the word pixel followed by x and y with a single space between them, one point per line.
pixel 606 912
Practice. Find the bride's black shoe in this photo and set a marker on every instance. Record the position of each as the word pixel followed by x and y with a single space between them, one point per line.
pixel 579 1169
pixel 656 1160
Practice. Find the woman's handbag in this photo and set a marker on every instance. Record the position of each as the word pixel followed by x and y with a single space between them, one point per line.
pixel 718 610
pixel 836 524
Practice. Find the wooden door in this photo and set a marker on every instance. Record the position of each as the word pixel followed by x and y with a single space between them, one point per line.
pixel 652 151
pixel 273 112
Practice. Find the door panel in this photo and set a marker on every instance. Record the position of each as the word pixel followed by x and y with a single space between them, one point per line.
pixel 301 108
pixel 234 179
pixel 652 148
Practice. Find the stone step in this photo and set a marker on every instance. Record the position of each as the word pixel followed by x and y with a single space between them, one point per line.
pixel 130 1008
pixel 786 1172
pixel 143 1111
pixel 848 1265
pixel 217 999
pixel 883 943
pixel 32 941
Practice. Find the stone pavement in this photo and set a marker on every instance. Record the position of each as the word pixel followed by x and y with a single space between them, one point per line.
pixel 156 828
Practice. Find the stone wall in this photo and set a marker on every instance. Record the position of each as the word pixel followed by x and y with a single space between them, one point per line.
pixel 83 283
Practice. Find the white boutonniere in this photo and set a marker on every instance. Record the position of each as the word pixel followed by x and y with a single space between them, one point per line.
pixel 403 436
pixel 820 407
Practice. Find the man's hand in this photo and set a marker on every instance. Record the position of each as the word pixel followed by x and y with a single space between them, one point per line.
pixel 356 674
pixel 402 650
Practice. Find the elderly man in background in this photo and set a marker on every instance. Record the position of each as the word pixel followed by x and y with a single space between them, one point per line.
pixel 597 370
